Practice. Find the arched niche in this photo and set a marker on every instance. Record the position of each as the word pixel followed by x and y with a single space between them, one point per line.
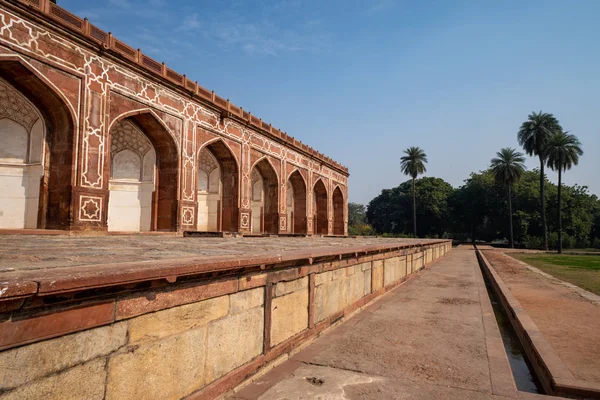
pixel 296 204
pixel 151 199
pixel 208 192
pixel 265 198
pixel 132 175
pixel 338 212
pixel 320 208
pixel 36 146
pixel 218 179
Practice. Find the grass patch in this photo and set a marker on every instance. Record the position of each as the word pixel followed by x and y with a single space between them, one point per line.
pixel 583 271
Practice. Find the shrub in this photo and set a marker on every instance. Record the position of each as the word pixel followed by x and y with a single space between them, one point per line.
pixel 533 242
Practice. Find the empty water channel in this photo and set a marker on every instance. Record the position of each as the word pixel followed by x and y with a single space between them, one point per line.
pixel 522 371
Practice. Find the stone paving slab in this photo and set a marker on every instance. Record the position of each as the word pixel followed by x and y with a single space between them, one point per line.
pixel 49 265
pixel 425 340
pixel 34 252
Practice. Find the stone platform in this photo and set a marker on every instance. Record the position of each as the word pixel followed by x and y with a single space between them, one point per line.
pixel 170 317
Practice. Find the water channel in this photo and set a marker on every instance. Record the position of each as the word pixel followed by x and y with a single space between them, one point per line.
pixel 521 368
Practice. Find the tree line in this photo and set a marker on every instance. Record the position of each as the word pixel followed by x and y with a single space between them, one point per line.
pixel 504 202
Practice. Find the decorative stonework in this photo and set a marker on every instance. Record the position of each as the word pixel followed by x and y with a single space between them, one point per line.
pixel 245 220
pixel 90 208
pixel 282 223
pixel 207 162
pixel 13 106
pixel 125 135
pixel 187 215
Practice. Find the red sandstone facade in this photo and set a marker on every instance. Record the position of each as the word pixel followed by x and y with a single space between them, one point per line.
pixel 90 89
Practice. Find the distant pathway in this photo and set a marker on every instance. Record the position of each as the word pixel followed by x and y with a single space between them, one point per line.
pixel 429 339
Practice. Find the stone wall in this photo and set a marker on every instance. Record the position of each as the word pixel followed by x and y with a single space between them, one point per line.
pixel 192 339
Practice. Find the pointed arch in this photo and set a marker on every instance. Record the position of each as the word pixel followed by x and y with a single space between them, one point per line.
pixel 338 211
pixel 269 208
pixel 268 161
pixel 141 111
pixel 320 208
pixel 166 181
pixel 60 120
pixel 228 207
pixel 297 215
pixel 231 152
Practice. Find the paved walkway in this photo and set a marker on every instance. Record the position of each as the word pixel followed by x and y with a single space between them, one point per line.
pixel 429 339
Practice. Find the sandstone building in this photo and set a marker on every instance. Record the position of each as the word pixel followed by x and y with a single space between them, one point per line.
pixel 97 136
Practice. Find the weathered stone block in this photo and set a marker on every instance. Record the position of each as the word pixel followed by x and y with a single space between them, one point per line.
pixel 289 316
pixel 163 369
pixel 246 300
pixel 252 280
pixel 367 280
pixel 339 274
pixel 377 275
pixel 178 319
pixel 233 341
pixel 323 277
pixel 330 298
pixel 356 288
pixel 402 272
pixel 391 268
pixel 143 304
pixel 84 381
pixel 28 363
pixel 283 288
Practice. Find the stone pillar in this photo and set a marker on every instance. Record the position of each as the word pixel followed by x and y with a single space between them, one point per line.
pixel 90 189
pixel 188 203
pixel 245 213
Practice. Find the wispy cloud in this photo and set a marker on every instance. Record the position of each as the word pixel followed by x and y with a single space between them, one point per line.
pixel 265 28
pixel 380 6
pixel 191 22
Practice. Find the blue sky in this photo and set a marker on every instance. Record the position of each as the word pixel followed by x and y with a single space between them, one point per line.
pixel 362 80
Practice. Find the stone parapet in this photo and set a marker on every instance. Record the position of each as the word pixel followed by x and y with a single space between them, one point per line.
pixel 186 330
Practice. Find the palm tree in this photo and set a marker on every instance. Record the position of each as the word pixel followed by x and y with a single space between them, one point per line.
pixel 533 136
pixel 508 167
pixel 563 152
pixel 413 164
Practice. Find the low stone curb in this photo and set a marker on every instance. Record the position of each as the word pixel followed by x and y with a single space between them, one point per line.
pixel 554 375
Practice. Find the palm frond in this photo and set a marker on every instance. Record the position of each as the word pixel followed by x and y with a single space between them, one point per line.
pixel 564 150
pixel 508 166
pixel 413 162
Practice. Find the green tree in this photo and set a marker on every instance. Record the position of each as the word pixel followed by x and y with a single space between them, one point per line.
pixel 356 213
pixel 357 221
pixel 413 164
pixel 563 151
pixel 391 211
pixel 533 136
pixel 508 168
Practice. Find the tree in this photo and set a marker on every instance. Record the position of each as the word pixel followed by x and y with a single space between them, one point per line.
pixel 413 164
pixel 508 168
pixel 533 136
pixel 563 151
pixel 356 214
pixel 391 211
pixel 357 221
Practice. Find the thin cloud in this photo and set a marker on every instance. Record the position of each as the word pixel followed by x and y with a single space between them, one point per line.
pixel 380 6
pixel 191 22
